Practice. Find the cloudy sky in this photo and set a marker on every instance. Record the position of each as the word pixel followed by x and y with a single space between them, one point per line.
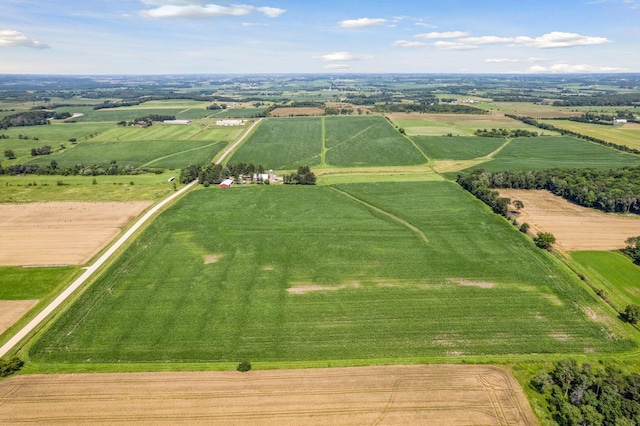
pixel 306 36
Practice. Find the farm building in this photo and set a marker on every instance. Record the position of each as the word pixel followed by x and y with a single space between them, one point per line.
pixel 229 122
pixel 271 177
pixel 619 121
pixel 226 183
pixel 180 122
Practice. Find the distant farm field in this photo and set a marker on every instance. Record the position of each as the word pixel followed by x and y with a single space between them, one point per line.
pixel 454 124
pixel 287 143
pixel 627 135
pixel 457 148
pixel 557 151
pixel 360 271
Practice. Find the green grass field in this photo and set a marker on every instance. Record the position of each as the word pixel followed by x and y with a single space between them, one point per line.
pixel 457 148
pixel 34 188
pixel 621 135
pixel 286 143
pixel 367 141
pixel 422 269
pixel 17 283
pixel 283 143
pixel 613 272
pixel 557 151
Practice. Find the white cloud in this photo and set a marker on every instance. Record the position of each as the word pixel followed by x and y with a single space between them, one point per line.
pixel 453 45
pixel 187 9
pixel 12 38
pixel 560 68
pixel 486 40
pixel 559 39
pixel 336 56
pixel 407 43
pixel 441 35
pixel 362 22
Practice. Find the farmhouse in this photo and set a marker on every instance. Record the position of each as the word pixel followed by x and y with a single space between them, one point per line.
pixel 229 122
pixel 226 183
pixel 179 122
pixel 261 177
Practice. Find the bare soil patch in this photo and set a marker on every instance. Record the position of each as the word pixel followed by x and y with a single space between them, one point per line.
pixel 575 227
pixel 391 395
pixel 61 233
pixel 479 284
pixel 306 288
pixel 211 258
pixel 12 310
pixel 288 112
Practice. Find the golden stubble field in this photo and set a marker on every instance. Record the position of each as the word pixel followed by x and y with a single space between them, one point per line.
pixel 575 227
pixel 61 233
pixel 391 395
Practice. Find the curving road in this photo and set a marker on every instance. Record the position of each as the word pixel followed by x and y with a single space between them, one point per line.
pixel 35 322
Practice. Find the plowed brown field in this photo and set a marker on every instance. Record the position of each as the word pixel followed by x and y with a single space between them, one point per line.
pixel 393 395
pixel 575 227
pixel 60 233
pixel 11 311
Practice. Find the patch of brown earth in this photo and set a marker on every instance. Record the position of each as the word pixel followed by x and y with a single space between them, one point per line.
pixel 436 395
pixel 302 111
pixel 480 284
pixel 61 233
pixel 11 311
pixel 211 258
pixel 575 227
pixel 563 337
pixel 307 288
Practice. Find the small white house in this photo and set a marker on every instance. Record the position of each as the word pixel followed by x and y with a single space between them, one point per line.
pixel 179 122
pixel 226 183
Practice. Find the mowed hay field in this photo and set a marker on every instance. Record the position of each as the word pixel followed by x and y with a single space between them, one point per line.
pixel 398 395
pixel 67 233
pixel 367 271
pixel 575 227
pixel 627 134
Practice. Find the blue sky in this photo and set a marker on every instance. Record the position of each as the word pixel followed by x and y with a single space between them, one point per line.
pixel 286 36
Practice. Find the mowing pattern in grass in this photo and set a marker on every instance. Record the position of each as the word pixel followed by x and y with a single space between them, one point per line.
pixel 17 283
pixel 306 273
pixel 457 148
pixel 283 143
pixel 557 151
pixel 367 141
pixel 614 273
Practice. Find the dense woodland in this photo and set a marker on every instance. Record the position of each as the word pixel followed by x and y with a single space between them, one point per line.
pixel 590 395
pixel 31 118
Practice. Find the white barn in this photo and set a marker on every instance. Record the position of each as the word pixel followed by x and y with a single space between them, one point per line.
pixel 179 122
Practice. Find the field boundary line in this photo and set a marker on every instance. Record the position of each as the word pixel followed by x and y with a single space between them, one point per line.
pixel 88 273
pixel 148 163
pixel 401 221
pixel 237 143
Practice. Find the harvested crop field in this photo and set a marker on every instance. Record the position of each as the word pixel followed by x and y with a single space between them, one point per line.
pixel 431 394
pixel 12 310
pixel 60 233
pixel 575 227
pixel 290 112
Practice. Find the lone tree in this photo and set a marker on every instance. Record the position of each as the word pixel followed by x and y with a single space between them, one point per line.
pixel 544 240
pixel 632 314
pixel 518 204
pixel 244 366
pixel 9 154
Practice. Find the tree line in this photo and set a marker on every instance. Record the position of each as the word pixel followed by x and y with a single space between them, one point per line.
pixel 590 395
pixel 505 133
pixel 77 170
pixel 620 99
pixel 564 132
pixel 435 108
pixel 615 190
pixel 31 118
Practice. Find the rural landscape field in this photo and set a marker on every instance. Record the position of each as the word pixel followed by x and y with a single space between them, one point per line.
pixel 368 240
